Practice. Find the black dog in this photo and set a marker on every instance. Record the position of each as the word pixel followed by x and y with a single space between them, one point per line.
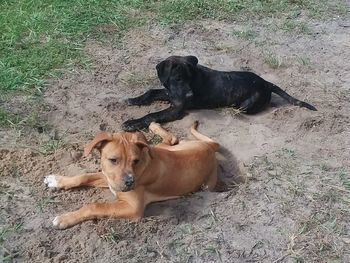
pixel 192 86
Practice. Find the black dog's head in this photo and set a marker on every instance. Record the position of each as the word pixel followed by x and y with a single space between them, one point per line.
pixel 175 73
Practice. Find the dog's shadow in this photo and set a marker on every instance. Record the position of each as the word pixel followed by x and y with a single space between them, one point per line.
pixel 194 206
pixel 184 209
pixel 229 169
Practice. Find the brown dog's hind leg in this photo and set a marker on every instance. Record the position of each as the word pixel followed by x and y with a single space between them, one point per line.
pixel 212 179
pixel 167 137
pixel 67 182
pixel 215 184
pixel 203 138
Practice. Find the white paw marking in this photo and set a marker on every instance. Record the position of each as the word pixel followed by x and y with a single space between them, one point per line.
pixel 56 221
pixel 51 181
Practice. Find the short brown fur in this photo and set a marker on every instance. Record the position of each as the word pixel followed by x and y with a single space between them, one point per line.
pixel 139 174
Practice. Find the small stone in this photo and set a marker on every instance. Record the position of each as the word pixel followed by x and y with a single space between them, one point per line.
pixel 76 155
pixel 346 240
pixel 249 175
pixel 103 126
pixel 272 172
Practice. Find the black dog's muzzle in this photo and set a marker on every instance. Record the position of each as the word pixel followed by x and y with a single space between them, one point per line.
pixel 189 94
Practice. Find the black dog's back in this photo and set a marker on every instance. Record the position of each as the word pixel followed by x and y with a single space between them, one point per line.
pixel 242 89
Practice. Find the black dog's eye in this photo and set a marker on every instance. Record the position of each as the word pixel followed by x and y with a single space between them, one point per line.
pixel 178 78
pixel 136 161
pixel 113 160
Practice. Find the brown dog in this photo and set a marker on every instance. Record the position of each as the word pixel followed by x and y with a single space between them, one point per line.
pixel 139 174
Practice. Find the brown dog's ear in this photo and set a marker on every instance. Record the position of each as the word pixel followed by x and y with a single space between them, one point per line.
pixel 99 138
pixel 163 71
pixel 144 146
pixel 141 145
pixel 138 137
pixel 192 59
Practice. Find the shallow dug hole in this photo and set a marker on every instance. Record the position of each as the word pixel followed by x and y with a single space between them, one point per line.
pixel 293 203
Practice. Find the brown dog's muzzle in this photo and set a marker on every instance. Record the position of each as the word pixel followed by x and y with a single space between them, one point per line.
pixel 128 181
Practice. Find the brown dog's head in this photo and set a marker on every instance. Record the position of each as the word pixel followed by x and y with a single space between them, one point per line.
pixel 176 73
pixel 124 156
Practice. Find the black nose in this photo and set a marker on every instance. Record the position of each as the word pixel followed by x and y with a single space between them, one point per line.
pixel 128 180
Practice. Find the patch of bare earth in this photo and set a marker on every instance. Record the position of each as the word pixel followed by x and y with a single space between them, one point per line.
pixel 294 205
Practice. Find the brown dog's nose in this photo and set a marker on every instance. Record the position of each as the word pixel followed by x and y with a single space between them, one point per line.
pixel 128 180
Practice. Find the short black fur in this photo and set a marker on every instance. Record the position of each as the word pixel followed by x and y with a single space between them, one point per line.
pixel 192 86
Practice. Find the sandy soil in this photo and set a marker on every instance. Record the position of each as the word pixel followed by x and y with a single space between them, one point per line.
pixel 293 205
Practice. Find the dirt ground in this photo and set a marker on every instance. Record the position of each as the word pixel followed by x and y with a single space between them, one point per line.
pixel 293 204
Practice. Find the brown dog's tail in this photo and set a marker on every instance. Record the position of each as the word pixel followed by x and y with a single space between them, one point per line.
pixel 213 144
pixel 290 99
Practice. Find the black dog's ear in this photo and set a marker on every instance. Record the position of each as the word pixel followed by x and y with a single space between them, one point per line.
pixel 192 59
pixel 163 71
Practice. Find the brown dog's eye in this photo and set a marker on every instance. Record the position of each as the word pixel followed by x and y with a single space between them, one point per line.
pixel 136 161
pixel 113 160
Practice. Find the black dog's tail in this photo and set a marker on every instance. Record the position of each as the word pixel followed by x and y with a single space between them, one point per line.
pixel 289 98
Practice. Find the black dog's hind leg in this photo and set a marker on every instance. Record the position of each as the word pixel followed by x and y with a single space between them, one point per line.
pixel 255 103
pixel 149 97
pixel 247 106
pixel 170 114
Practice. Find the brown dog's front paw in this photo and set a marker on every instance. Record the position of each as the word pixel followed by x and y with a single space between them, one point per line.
pixel 57 223
pixel 62 222
pixel 52 181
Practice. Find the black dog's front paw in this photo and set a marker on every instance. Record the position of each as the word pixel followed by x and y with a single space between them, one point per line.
pixel 133 101
pixel 133 125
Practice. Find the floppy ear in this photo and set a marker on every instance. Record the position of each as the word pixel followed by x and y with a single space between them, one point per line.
pixel 141 145
pixel 163 71
pixel 192 59
pixel 144 147
pixel 99 138
pixel 138 137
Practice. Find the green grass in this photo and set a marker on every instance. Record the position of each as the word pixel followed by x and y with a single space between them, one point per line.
pixel 174 11
pixel 317 202
pixel 5 231
pixel 156 139
pixel 17 121
pixel 345 180
pixel 52 145
pixel 7 119
pixel 305 61
pixel 295 26
pixel 39 38
pixel 247 34
pixel 273 61
pixel 44 202
pixel 111 236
